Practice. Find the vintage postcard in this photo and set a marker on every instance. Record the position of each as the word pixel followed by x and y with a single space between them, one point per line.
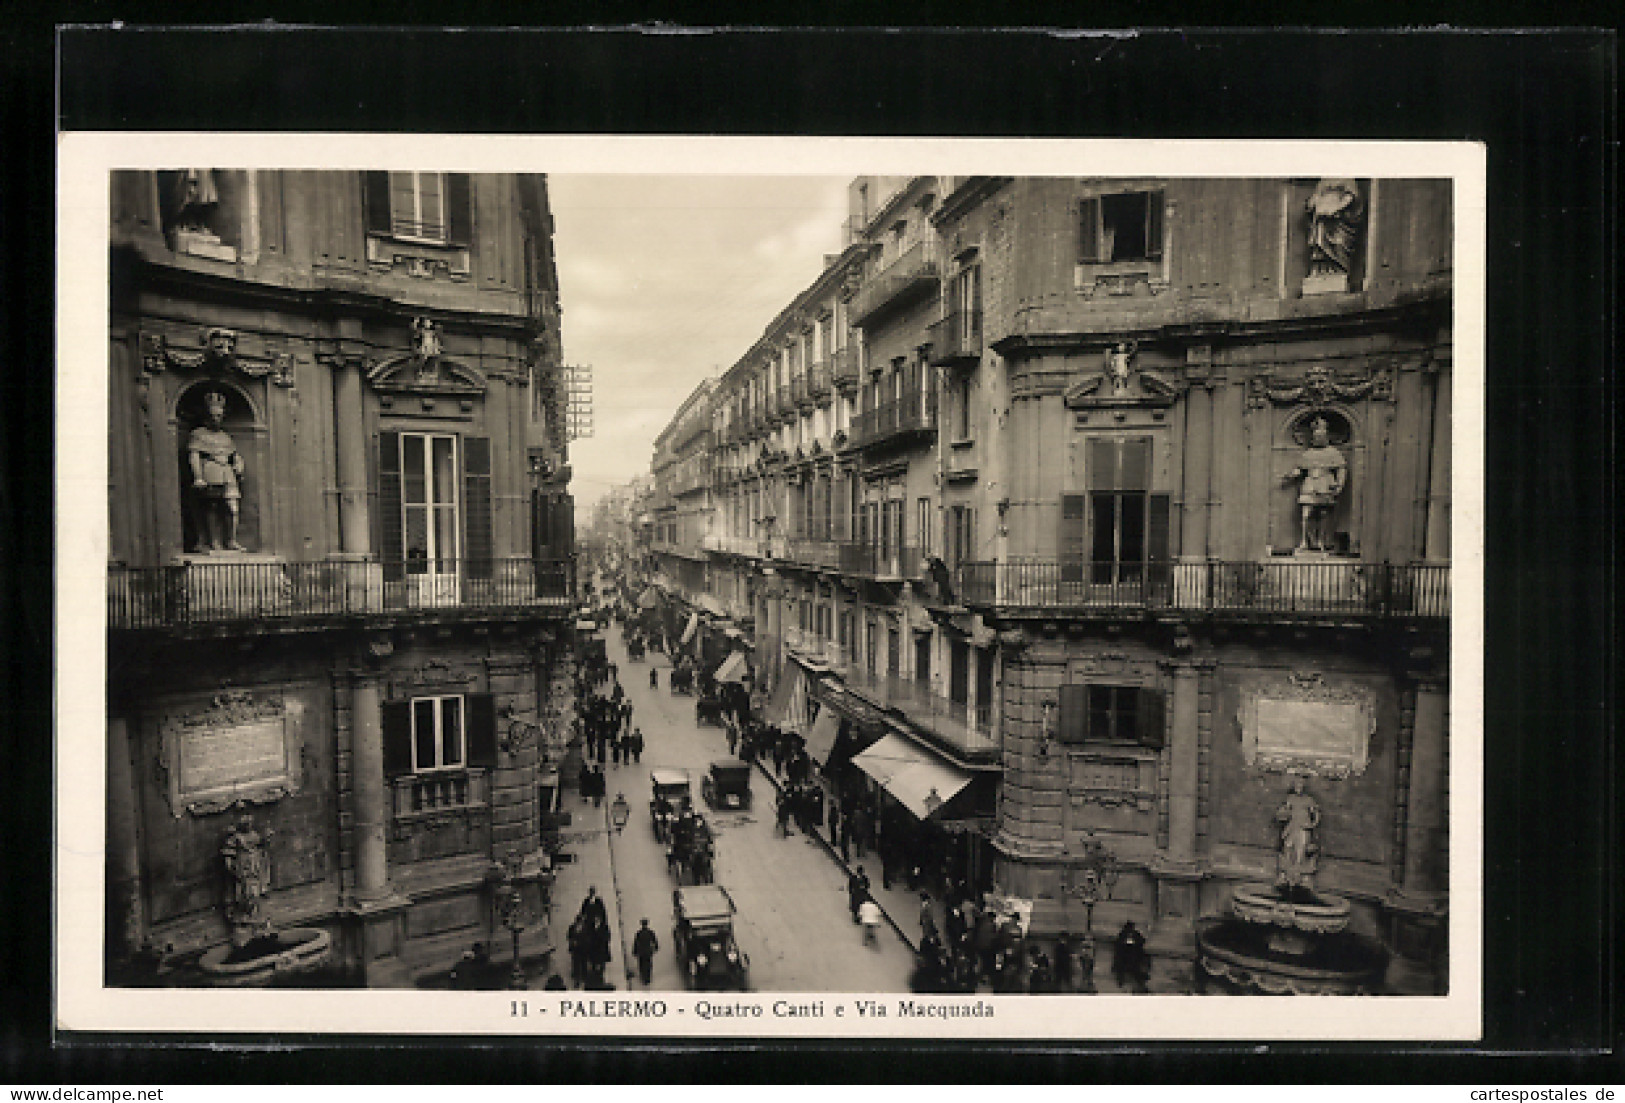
pixel 725 588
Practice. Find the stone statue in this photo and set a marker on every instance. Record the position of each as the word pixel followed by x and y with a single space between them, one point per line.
pixel 1324 473
pixel 1335 214
pixel 1299 855
pixel 216 471
pixel 1120 363
pixel 249 867
pixel 195 196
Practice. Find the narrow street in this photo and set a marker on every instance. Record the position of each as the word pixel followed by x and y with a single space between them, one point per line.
pixel 793 922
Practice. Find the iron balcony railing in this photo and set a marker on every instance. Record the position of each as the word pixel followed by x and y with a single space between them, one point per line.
pixel 914 272
pixel 798 391
pixel 913 413
pixel 955 725
pixel 814 553
pixel 818 381
pixel 222 593
pixel 957 337
pixel 1330 588
pixel 885 562
pixel 843 367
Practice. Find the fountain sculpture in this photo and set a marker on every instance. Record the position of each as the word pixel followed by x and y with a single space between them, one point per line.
pixel 257 954
pixel 1287 938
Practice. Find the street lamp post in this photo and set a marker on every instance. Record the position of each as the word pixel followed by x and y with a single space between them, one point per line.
pixel 1095 872
pixel 511 904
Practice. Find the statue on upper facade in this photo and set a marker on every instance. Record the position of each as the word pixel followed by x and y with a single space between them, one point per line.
pixel 1336 212
pixel 1120 365
pixel 217 469
pixel 249 866
pixel 195 196
pixel 1324 473
pixel 1298 855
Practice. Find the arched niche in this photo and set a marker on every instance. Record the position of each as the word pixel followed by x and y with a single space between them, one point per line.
pixel 1292 437
pixel 246 426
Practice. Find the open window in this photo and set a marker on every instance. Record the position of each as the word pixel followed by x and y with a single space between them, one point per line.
pixel 1125 226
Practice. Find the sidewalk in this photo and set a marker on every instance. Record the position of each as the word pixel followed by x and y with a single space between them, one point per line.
pixel 587 838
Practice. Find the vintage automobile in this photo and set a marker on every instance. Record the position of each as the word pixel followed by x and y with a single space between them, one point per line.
pixel 703 936
pixel 669 794
pixel 727 784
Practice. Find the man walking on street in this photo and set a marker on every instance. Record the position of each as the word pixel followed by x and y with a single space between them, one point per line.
pixel 869 916
pixel 857 891
pixel 644 947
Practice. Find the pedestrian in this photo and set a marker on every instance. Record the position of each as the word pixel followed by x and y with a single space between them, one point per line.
pixel 860 828
pixel 786 802
pixel 1131 965
pixel 857 890
pixel 869 915
pixel 575 939
pixel 984 941
pixel 599 955
pixel 1063 962
pixel 654 677
pixel 637 745
pixel 615 749
pixel 592 906
pixel 928 917
pixel 584 780
pixel 834 823
pixel 733 737
pixel 644 947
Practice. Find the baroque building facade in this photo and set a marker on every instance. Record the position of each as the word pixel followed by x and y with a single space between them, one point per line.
pixel 340 560
pixel 1123 505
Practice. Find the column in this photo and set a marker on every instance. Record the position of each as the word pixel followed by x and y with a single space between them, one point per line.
pixel 349 430
pixel 1182 767
pixel 1436 548
pixel 126 926
pixel 1426 820
pixel 367 772
pixel 1198 449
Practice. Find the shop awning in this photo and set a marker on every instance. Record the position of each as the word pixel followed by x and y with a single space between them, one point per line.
pixel 782 707
pixel 711 605
pixel 821 737
pixel 649 598
pixel 693 626
pixel 733 668
pixel 919 780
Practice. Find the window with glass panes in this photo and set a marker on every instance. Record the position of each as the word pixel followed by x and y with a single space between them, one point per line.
pixel 429 502
pixel 1110 534
pixel 417 205
pixel 437 733
pixel 1120 714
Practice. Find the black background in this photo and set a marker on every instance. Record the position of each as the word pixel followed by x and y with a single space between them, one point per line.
pixel 1544 104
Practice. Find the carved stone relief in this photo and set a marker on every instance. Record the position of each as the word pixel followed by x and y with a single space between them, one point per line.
pixel 1304 724
pixel 239 748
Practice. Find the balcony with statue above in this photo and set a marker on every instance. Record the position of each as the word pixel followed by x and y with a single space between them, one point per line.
pixel 913 275
pixel 1309 586
pixel 223 590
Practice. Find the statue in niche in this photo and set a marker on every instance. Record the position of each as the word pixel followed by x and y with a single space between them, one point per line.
pixel 249 866
pixel 195 196
pixel 217 469
pixel 1120 364
pixel 1335 214
pixel 1323 472
pixel 1298 856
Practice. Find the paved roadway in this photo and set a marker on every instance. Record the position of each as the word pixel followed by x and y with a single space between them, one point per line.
pixel 793 921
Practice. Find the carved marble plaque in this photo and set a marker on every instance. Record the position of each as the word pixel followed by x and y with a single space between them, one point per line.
pixel 1303 724
pixel 237 747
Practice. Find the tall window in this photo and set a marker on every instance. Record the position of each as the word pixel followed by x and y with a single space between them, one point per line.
pixel 922 524
pixel 961 535
pixel 1119 527
pixel 965 306
pixel 1126 226
pixel 429 502
pixel 417 205
pixel 437 733
pixel 894 525
pixel 964 388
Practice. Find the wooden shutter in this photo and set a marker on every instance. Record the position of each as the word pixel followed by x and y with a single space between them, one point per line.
pixel 1156 543
pixel 1071 551
pixel 459 209
pixel 482 730
pixel 389 503
pixel 1153 225
pixel 1073 723
pixel 1151 721
pixel 397 724
pixel 1089 232
pixel 375 194
pixel 477 505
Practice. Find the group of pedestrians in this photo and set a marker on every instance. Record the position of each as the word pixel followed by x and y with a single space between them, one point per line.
pixel 590 944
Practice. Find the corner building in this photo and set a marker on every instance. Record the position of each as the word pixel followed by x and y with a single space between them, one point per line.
pixel 378 674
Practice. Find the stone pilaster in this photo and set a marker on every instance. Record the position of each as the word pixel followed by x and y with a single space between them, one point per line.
pixel 370 811
pixel 1427 822
pixel 349 430
pixel 126 925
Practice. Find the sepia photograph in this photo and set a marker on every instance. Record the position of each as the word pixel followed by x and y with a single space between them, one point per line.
pixel 695 588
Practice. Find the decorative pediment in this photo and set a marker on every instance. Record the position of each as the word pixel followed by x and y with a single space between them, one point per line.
pixel 219 352
pixel 428 377
pixel 1120 383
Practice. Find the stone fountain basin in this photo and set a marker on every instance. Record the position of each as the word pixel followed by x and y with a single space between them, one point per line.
pixel 1249 956
pixel 296 950
pixel 1315 912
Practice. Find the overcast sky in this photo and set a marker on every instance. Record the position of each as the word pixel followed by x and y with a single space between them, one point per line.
pixel 665 280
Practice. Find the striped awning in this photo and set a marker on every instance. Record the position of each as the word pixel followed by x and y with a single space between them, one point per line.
pixel 733 668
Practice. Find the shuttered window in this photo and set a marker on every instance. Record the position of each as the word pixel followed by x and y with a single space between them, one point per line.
pixel 1119 474
pixel 433 207
pixel 1114 714
pixel 445 732
pixel 1121 227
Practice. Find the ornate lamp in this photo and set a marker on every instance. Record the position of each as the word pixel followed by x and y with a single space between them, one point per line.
pixel 511 907
pixel 1096 872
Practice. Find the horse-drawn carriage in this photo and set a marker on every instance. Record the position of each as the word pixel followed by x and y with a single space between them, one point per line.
pixel 682 679
pixel 634 647
pixel 709 709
